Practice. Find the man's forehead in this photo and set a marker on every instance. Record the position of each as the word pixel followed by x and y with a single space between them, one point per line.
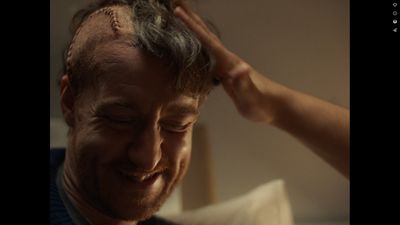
pixel 119 57
pixel 117 51
pixel 121 66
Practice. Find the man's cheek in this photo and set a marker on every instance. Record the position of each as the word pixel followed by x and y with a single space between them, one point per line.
pixel 178 152
pixel 100 146
pixel 177 145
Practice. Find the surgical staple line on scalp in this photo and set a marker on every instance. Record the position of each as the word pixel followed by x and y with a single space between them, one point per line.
pixel 115 25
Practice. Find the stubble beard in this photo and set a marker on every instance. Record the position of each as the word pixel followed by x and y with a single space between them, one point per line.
pixel 142 208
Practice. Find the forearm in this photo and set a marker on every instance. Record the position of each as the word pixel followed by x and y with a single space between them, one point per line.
pixel 320 125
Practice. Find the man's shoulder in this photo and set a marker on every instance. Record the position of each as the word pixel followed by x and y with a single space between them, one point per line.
pixel 58 212
pixel 57 156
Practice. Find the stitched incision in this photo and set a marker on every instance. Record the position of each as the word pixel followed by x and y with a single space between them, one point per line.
pixel 119 19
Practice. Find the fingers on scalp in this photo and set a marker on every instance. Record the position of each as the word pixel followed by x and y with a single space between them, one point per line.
pixel 197 25
pixel 186 8
pixel 199 30
pixel 209 36
pixel 196 17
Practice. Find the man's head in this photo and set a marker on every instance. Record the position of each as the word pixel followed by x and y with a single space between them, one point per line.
pixel 134 79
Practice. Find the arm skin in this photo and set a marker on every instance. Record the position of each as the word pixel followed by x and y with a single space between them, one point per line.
pixel 321 126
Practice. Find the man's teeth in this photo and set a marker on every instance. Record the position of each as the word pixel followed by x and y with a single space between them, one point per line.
pixel 140 178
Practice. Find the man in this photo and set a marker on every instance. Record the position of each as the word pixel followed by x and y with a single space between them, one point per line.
pixel 134 79
pixel 133 83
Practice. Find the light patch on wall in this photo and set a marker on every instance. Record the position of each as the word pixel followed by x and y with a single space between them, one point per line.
pixel 173 205
pixel 58 133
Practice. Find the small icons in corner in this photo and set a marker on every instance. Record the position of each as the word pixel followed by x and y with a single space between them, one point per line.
pixel 394 13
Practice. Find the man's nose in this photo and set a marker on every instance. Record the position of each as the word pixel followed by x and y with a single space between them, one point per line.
pixel 146 153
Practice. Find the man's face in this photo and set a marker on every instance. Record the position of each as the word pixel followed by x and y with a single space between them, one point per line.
pixel 131 141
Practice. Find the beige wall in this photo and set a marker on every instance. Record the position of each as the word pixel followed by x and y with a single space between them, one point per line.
pixel 303 44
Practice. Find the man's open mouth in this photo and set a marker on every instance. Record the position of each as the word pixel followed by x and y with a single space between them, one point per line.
pixel 144 178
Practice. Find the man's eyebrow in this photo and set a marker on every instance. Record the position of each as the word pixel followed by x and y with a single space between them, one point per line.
pixel 109 103
pixel 183 109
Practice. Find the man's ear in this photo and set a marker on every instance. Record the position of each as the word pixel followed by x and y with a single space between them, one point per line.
pixel 67 100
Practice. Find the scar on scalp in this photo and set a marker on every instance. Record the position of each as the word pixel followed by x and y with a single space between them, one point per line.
pixel 115 23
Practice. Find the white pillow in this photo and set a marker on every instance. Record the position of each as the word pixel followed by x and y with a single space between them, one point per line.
pixel 267 204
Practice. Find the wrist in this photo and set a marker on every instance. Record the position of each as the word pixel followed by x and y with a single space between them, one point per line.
pixel 272 98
